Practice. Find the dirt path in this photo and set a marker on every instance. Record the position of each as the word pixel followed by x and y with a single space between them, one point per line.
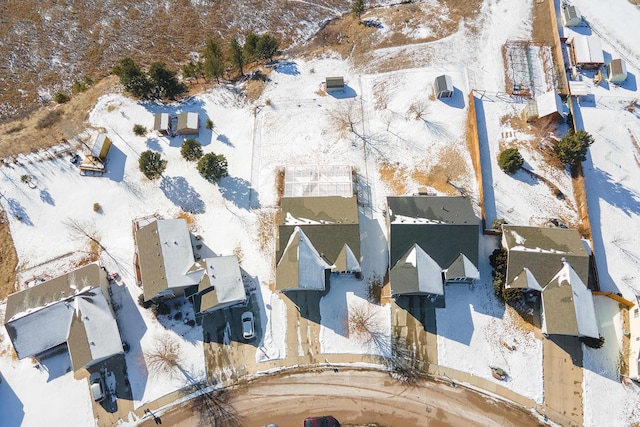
pixel 357 398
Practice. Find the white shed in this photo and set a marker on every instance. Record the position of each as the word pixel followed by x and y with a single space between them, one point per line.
pixel 571 16
pixel 617 71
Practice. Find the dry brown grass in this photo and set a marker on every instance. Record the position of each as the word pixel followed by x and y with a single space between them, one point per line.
pixel 64 122
pixel 395 177
pixel 8 259
pixel 189 217
pixel 267 225
pixel 450 167
pixel 239 254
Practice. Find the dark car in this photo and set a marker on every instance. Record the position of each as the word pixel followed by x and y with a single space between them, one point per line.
pixel 326 421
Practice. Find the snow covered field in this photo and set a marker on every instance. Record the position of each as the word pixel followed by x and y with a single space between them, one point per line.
pixel 294 123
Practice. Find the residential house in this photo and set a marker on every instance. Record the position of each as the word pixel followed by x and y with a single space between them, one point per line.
pixel 161 123
pixel 586 52
pixel 221 284
pixel 443 87
pixel 316 236
pixel 188 123
pixel 552 263
pixel 548 105
pixel 334 84
pixel 164 258
pixel 570 16
pixel 71 312
pixel 433 241
pixel 617 71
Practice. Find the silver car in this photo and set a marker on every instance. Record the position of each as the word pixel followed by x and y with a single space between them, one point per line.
pixel 248 331
pixel 96 384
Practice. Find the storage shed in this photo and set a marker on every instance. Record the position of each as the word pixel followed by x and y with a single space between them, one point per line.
pixel 617 71
pixel 570 16
pixel 188 123
pixel 586 52
pixel 334 84
pixel 546 105
pixel 161 123
pixel 443 87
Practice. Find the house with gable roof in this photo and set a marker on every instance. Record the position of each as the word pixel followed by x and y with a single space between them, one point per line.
pixel 73 311
pixel 220 286
pixel 316 236
pixel 552 263
pixel 166 268
pixel 433 240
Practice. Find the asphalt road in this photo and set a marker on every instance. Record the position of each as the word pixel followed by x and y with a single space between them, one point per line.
pixel 354 397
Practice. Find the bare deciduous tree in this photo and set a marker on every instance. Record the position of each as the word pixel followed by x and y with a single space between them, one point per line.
pixel 82 229
pixel 347 117
pixel 417 109
pixel 164 357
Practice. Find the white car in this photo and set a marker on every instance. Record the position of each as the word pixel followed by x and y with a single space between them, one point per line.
pixel 248 331
pixel 96 384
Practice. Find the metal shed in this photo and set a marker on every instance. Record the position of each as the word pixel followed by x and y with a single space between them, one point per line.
pixel 161 123
pixel 617 71
pixel 443 87
pixel 571 16
pixel 334 84
pixel 188 123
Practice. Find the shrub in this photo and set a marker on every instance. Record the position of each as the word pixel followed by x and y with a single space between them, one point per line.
pixel 191 322
pixel 177 316
pixel 142 303
pixel 209 124
pixel 49 120
pixel 510 160
pixel 139 130
pixel 61 97
pixel 212 166
pixel 191 150
pixel 151 164
pixel 96 207
pixel 572 148
pixel 81 86
pixel 159 308
pixel 593 342
pixel 25 179
pixel 497 223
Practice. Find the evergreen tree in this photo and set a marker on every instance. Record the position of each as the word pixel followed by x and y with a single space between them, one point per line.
pixel 249 49
pixel 164 81
pixel 358 8
pixel 151 164
pixel 212 166
pixel 134 80
pixel 572 148
pixel 267 47
pixel 236 56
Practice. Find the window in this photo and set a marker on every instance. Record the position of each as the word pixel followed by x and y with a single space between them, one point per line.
pixel 636 313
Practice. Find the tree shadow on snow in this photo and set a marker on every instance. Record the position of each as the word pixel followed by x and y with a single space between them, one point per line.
pixel 46 197
pixel 154 144
pixel 236 190
pixel 181 194
pixel 615 193
pixel 224 139
pixel 286 67
pixel 18 212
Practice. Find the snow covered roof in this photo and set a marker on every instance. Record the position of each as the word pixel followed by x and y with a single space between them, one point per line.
pixel 416 273
pixel 549 103
pixel 579 88
pixel 587 50
pixel 221 284
pixel 568 306
pixel 165 256
pixel 59 311
pixel 188 123
pixel 571 16
pixel 617 71
pixel 301 266
pixel 442 84
pixel 314 181
pixel 101 146
pixel 540 250
pixel 93 333
pixel 444 227
pixel 161 121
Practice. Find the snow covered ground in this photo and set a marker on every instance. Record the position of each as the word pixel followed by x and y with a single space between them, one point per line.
pixel 294 123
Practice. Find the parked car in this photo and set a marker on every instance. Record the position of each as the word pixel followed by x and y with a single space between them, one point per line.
pixel 324 421
pixel 96 384
pixel 248 331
